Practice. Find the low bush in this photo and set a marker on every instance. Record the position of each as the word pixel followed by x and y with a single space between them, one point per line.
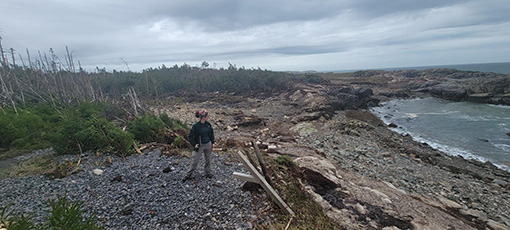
pixel 147 128
pixel 68 215
pixel 24 130
pixel 172 123
pixel 91 134
pixel 180 142
pixel 284 160
pixel 64 215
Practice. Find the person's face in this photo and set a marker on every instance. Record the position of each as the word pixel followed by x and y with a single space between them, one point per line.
pixel 206 118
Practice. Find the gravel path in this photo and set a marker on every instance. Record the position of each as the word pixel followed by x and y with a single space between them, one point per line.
pixel 139 193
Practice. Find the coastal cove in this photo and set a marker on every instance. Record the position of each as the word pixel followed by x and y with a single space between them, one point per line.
pixel 471 130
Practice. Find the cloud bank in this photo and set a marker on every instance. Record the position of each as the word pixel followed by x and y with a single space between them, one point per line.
pixel 277 35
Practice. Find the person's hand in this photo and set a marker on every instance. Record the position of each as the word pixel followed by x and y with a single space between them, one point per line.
pixel 197 146
pixel 213 145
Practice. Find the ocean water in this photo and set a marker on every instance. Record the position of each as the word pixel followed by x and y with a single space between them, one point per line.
pixel 472 130
pixel 499 67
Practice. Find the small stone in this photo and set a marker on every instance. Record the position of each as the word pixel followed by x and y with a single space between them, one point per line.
pixel 218 184
pixel 496 225
pixel 471 212
pixel 393 125
pixel 391 228
pixel 97 171
pixel 386 154
pixel 128 209
pixel 500 182
pixel 386 200
pixel 360 209
pixel 449 203
pixel 117 178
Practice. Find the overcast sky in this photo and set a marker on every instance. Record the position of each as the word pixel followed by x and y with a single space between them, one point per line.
pixel 320 35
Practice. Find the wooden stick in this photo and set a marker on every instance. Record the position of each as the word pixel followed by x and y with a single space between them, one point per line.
pixel 288 224
pixel 261 162
pixel 136 148
pixel 245 177
pixel 272 193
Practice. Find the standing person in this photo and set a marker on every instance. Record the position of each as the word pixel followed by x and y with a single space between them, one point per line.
pixel 201 137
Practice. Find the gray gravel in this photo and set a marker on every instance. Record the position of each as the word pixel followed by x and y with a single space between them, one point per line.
pixel 145 197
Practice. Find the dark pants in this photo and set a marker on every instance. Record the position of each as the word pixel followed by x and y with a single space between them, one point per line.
pixel 206 149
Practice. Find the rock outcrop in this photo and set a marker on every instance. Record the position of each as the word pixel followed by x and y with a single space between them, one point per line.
pixel 448 84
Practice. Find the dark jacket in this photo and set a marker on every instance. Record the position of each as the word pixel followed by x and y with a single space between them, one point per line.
pixel 201 133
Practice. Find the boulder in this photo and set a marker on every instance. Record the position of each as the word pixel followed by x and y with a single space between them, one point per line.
pixel 449 91
pixel 364 93
pixel 323 166
pixel 249 121
pixel 304 129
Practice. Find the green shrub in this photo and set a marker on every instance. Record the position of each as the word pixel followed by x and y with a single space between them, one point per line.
pixel 92 134
pixel 172 123
pixel 5 215
pixel 21 222
pixel 147 128
pixel 91 109
pixel 68 215
pixel 42 125
pixel 64 215
pixel 179 142
pixel 284 160
pixel 22 131
pixel 315 79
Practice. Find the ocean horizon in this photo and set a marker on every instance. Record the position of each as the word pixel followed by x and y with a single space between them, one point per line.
pixel 496 67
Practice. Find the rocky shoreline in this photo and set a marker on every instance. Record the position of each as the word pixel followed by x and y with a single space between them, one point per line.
pixel 363 175
pixel 372 169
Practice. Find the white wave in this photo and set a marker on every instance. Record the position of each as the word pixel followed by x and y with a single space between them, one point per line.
pixel 503 147
pixel 473 118
pixel 439 113
pixel 453 151
pixel 412 115
pixel 500 106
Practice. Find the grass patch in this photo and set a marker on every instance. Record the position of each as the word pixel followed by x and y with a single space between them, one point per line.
pixel 309 214
pixel 33 166
pixel 11 153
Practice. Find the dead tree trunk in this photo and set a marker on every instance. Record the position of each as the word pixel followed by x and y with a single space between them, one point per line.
pixel 2 52
pixel 13 59
pixel 8 93
pixel 29 61
pixel 22 61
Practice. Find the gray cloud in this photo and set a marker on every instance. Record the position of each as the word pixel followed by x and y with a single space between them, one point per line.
pixel 282 35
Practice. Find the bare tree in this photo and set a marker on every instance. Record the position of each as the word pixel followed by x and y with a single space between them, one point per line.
pixel 2 52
